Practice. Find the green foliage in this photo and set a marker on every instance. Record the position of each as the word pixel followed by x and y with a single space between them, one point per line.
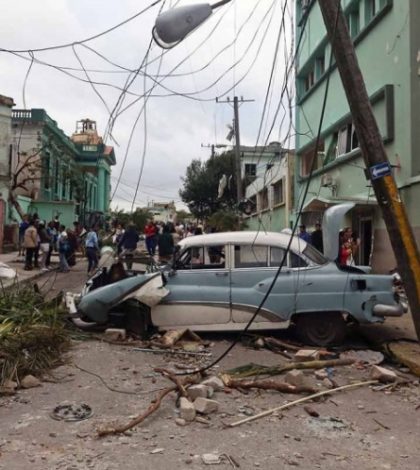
pixel 201 184
pixel 226 221
pixel 138 218
pixel 32 334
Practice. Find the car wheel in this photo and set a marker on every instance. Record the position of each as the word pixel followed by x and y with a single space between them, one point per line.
pixel 137 318
pixel 321 329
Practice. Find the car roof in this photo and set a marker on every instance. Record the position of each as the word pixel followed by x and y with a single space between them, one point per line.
pixel 245 237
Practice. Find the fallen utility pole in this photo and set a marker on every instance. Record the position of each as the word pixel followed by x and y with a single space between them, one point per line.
pixel 373 151
pixel 236 101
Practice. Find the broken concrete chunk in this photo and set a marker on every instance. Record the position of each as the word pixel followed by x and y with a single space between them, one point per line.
pixel 382 374
pixel 307 355
pixel 196 391
pixel 29 381
pixel 115 334
pixel 296 378
pixel 180 421
pixel 205 406
pixel 211 459
pixel 321 374
pixel 215 383
pixel 186 409
pixel 10 385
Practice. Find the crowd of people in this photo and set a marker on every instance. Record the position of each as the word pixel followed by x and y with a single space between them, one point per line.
pixel 38 240
pixel 348 242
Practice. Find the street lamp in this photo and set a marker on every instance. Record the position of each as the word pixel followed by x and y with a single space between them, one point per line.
pixel 172 26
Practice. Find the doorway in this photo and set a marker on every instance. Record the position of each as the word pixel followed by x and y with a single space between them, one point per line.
pixel 365 230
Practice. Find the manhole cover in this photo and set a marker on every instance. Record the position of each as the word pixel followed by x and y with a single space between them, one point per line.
pixel 72 412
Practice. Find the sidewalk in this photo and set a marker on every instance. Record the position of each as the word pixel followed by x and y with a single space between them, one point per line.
pixel 50 282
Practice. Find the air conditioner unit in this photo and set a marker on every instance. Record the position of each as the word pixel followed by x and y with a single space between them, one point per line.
pixel 328 181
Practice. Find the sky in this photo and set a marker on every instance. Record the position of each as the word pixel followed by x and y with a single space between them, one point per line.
pixel 231 54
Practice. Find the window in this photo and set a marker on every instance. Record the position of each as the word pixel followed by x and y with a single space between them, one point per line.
pixel 307 158
pixel 47 171
pixel 251 256
pixel 201 257
pixel 320 66
pixel 263 199
pixel 297 261
pixel 354 23
pixel 370 9
pixel 250 169
pixel 346 140
pixel 276 256
pixel 278 193
pixel 310 80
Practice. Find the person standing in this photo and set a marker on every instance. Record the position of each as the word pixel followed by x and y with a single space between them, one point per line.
pixel 45 240
pixel 316 237
pixel 128 244
pixel 303 234
pixel 166 244
pixel 30 243
pixel 52 233
pixel 63 247
pixel 150 233
pixel 22 229
pixel 92 247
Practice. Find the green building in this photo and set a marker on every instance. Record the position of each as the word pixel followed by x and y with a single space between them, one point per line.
pixel 268 176
pixel 386 38
pixel 59 176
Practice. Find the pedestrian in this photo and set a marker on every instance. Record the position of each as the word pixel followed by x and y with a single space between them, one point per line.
pixel 316 237
pixel 128 244
pixel 63 248
pixel 22 228
pixel 45 240
pixel 92 247
pixel 53 234
pixel 30 243
pixel 71 254
pixel 150 233
pixel 344 250
pixel 166 245
pixel 303 234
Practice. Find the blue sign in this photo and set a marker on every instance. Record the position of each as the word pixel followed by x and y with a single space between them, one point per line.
pixel 380 170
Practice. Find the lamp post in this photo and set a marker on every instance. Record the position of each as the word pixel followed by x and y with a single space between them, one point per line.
pixel 172 26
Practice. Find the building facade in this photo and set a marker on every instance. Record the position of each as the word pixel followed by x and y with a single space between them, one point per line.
pixel 386 38
pixel 162 211
pixel 6 105
pixel 268 176
pixel 63 177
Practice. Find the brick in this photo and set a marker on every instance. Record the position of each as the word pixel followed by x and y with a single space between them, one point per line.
pixel 382 374
pixel 186 409
pixel 115 334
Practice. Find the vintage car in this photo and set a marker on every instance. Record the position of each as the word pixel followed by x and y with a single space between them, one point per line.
pixel 217 281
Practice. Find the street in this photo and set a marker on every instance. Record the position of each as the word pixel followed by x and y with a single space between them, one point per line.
pixel 372 427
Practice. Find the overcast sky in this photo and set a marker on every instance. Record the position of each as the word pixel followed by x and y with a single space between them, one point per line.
pixel 175 126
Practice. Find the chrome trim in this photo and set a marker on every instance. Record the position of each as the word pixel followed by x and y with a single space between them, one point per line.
pixel 383 310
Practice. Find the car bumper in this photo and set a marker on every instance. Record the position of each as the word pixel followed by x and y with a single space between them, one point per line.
pixel 382 310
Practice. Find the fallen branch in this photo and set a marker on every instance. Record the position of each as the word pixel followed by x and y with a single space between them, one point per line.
pixel 266 384
pixel 139 419
pixel 179 385
pixel 301 400
pixel 256 369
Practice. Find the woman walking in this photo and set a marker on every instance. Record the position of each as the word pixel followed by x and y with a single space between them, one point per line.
pixel 92 247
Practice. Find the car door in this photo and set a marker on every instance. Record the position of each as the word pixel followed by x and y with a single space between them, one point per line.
pixel 199 291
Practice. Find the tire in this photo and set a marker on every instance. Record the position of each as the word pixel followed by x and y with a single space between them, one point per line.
pixel 321 329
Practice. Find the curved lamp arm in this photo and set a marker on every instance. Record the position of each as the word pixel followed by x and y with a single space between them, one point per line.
pixel 172 26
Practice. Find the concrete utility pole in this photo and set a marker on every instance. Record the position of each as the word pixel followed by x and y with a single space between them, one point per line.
pixel 213 148
pixel 393 211
pixel 236 102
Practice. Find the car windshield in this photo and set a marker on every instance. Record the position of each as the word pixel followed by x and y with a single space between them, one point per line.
pixel 314 255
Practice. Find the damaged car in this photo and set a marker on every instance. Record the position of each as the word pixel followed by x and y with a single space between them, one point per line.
pixel 216 282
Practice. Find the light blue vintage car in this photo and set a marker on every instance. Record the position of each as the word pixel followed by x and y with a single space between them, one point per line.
pixel 217 281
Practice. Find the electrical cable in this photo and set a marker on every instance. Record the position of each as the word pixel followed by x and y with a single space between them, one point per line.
pixel 91 38
pixel 285 255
